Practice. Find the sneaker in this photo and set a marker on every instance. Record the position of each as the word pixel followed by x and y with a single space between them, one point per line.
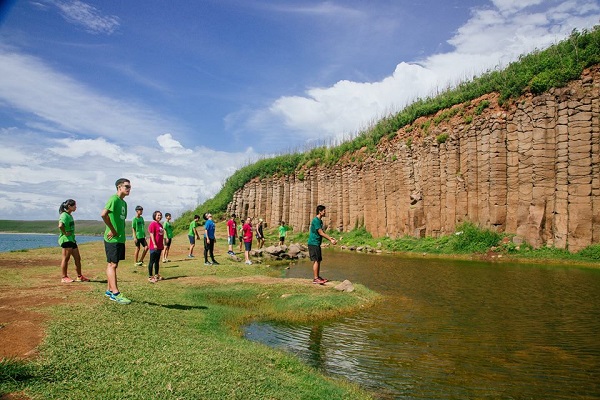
pixel 108 293
pixel 119 298
pixel 66 279
pixel 164 260
pixel 324 280
pixel 138 264
pixel 231 253
pixel 152 279
pixel 248 262
pixel 81 278
pixel 215 263
pixel 158 277
pixel 207 263
pixel 191 256
pixel 318 281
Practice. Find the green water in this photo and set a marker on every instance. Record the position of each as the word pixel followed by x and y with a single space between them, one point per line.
pixel 456 329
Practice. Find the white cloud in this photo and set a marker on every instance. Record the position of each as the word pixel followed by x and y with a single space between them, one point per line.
pixel 171 146
pixel 53 170
pixel 491 38
pixel 83 14
pixel 59 102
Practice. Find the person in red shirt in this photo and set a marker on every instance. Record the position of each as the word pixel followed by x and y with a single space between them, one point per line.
pixel 231 234
pixel 247 232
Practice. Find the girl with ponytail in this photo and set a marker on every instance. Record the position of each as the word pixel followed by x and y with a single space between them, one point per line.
pixel 67 242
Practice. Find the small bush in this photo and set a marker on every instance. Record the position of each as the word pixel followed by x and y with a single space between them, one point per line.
pixel 469 238
pixel 482 106
pixel 441 138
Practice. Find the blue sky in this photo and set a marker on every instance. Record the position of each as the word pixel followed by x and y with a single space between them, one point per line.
pixel 177 95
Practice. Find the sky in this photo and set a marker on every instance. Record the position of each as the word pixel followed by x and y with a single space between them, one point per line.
pixel 176 96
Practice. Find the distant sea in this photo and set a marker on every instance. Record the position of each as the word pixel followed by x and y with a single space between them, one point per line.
pixel 22 241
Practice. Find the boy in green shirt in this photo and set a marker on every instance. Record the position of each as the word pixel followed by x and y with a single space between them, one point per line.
pixel 168 227
pixel 113 215
pixel 138 228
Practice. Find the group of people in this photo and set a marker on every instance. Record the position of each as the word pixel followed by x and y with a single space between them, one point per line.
pixel 114 214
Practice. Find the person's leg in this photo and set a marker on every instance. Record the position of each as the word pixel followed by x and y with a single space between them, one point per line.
pixel 192 244
pixel 211 249
pixel 316 269
pixel 111 277
pixel 77 259
pixel 157 265
pixel 205 250
pixel 166 253
pixel 137 251
pixel 145 245
pixel 151 263
pixel 66 255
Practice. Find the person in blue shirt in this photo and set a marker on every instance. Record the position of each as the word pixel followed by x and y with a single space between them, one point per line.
pixel 209 239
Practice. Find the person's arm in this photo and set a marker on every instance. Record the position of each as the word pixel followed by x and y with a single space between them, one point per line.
pixel 326 236
pixel 152 239
pixel 61 226
pixel 106 218
pixel 133 231
pixel 196 231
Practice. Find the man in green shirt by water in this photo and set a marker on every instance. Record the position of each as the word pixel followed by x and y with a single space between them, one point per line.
pixel 113 215
pixel 315 237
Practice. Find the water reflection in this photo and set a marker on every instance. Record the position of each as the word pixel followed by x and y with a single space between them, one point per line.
pixel 455 330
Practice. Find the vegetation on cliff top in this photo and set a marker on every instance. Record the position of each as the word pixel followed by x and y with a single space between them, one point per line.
pixel 534 73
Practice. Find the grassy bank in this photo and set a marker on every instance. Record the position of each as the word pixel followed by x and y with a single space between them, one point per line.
pixel 179 338
pixel 468 240
pixel 534 73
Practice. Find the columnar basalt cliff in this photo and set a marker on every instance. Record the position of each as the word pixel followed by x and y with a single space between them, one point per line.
pixel 531 168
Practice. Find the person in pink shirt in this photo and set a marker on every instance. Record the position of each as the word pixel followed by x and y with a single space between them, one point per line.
pixel 156 245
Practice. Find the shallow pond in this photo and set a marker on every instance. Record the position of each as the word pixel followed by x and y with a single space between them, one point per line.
pixel 452 329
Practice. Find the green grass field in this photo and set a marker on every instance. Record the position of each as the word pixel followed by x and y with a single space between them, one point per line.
pixel 179 338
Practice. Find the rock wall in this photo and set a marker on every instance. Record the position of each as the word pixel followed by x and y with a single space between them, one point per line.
pixel 532 169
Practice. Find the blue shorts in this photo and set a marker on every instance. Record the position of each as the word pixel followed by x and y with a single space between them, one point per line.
pixel 192 239
pixel 248 246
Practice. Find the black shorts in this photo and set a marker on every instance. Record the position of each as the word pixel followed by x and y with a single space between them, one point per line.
pixel 69 245
pixel 281 238
pixel 248 246
pixel 168 242
pixel 141 242
pixel 315 253
pixel 115 252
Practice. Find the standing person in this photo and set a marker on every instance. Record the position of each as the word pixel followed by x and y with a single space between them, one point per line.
pixel 209 239
pixel 113 215
pixel 168 237
pixel 241 234
pixel 138 228
pixel 231 234
pixel 157 237
pixel 193 234
pixel 315 237
pixel 67 242
pixel 247 237
pixel 260 237
pixel 282 232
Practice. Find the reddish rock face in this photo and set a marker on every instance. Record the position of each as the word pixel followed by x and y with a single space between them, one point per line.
pixel 531 168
